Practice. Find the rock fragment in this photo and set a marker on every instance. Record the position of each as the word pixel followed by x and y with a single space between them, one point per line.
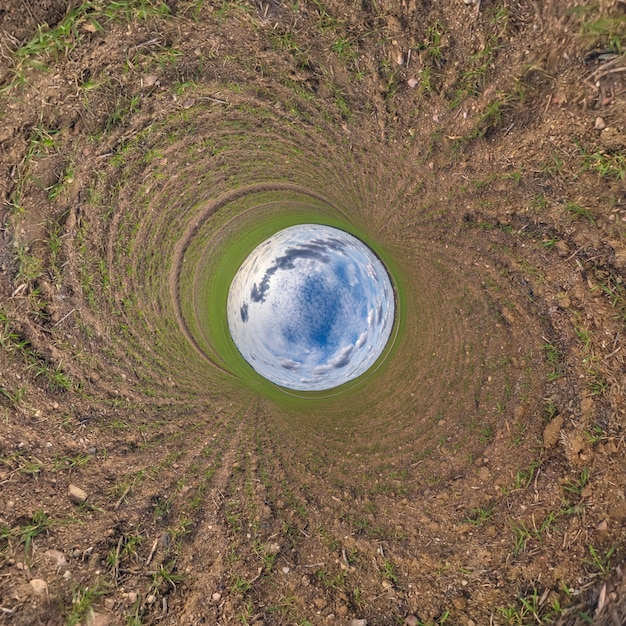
pixel 147 80
pixel 562 248
pixel 76 494
pixel 39 586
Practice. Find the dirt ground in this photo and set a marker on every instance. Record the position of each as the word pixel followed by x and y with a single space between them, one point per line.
pixel 479 478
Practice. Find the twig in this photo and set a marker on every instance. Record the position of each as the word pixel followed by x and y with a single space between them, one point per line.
pixel 613 71
pixel 345 557
pixel 144 44
pixel 603 70
pixel 64 317
pixel 601 599
pixel 116 568
pixel 548 104
pixel 608 356
pixel 117 504
pixel 154 547
pixel 18 289
pixel 571 256
pixel 259 571
pixel 45 330
pixel 213 99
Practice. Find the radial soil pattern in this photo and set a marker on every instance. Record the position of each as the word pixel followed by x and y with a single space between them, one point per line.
pixel 475 476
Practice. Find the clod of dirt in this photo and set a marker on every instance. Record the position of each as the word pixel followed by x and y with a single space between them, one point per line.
pixel 57 556
pixel 272 549
pixel 618 512
pixel 39 586
pixel 612 139
pixel 573 445
pixel 552 432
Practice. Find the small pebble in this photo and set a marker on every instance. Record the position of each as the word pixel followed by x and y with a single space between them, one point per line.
pixel 286 570
pixel 132 597
pixel 216 597
pixel 413 83
pixel 600 124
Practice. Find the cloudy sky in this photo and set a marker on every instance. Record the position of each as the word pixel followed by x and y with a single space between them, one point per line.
pixel 311 308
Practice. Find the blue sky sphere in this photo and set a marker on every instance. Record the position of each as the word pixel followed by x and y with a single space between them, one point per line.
pixel 311 308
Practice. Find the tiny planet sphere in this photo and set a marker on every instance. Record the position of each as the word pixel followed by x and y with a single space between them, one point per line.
pixel 311 308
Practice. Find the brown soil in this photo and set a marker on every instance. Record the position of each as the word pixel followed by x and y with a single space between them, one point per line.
pixel 479 478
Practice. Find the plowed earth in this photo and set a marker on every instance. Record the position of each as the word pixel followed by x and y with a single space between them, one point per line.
pixel 477 477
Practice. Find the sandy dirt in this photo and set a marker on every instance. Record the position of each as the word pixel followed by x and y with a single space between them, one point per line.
pixel 478 477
